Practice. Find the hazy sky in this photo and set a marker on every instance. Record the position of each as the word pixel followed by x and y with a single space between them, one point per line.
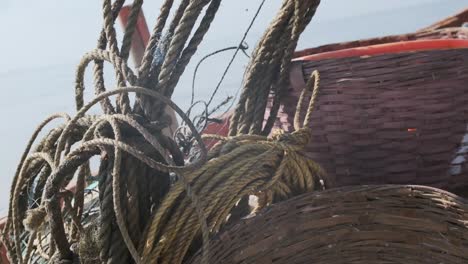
pixel 56 32
pixel 42 41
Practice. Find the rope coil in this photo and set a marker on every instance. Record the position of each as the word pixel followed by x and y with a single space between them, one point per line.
pixel 237 166
pixel 54 162
pixel 139 217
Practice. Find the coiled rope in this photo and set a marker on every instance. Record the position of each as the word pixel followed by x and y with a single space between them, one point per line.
pixel 120 137
pixel 237 166
pixel 141 217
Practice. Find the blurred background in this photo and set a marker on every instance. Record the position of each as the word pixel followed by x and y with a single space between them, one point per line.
pixel 43 41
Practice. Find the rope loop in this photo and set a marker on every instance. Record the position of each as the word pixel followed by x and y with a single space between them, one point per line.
pixel 144 215
pixel 314 82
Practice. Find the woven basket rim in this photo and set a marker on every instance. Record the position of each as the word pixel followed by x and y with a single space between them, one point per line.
pixel 389 48
pixel 369 222
pixel 382 187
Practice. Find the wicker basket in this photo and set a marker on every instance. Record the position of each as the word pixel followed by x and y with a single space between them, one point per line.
pixel 368 224
pixel 397 117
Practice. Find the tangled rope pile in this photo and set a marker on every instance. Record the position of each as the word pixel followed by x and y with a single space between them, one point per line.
pixel 272 168
pixel 141 217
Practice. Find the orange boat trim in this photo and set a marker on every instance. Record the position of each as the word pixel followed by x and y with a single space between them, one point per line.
pixel 388 48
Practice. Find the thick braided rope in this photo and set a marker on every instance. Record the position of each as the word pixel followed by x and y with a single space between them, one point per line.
pixel 117 198
pixel 314 81
pixel 133 214
pixel 107 213
pixel 164 76
pixel 154 164
pixel 189 51
pixel 193 44
pixel 79 156
pixel 33 158
pixel 123 102
pixel 154 39
pixel 25 155
pixel 83 172
pixel 260 54
pixel 99 55
pixel 130 29
pixel 58 177
pixel 283 82
pixel 238 166
pixel 179 39
pixel 98 73
pixel 31 166
pixel 303 13
pixel 38 164
pixel 58 162
pixel 268 70
pixel 167 71
pixel 272 50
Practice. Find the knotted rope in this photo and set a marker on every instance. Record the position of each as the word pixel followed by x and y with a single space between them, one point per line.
pixel 237 166
pixel 133 150
pixel 85 126
pixel 141 217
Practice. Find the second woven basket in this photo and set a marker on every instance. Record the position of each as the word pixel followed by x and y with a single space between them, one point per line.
pixel 368 224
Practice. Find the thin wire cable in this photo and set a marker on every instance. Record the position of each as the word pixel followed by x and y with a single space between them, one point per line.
pixel 237 51
pixel 244 47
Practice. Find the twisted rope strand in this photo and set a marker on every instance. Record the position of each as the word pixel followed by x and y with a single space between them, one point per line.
pixel 130 29
pixel 145 66
pixel 137 160
pixel 253 164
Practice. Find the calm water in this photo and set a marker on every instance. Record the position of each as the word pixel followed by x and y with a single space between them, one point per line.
pixel 45 40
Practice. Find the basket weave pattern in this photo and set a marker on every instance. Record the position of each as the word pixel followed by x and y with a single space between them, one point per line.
pixel 366 224
pixel 390 119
